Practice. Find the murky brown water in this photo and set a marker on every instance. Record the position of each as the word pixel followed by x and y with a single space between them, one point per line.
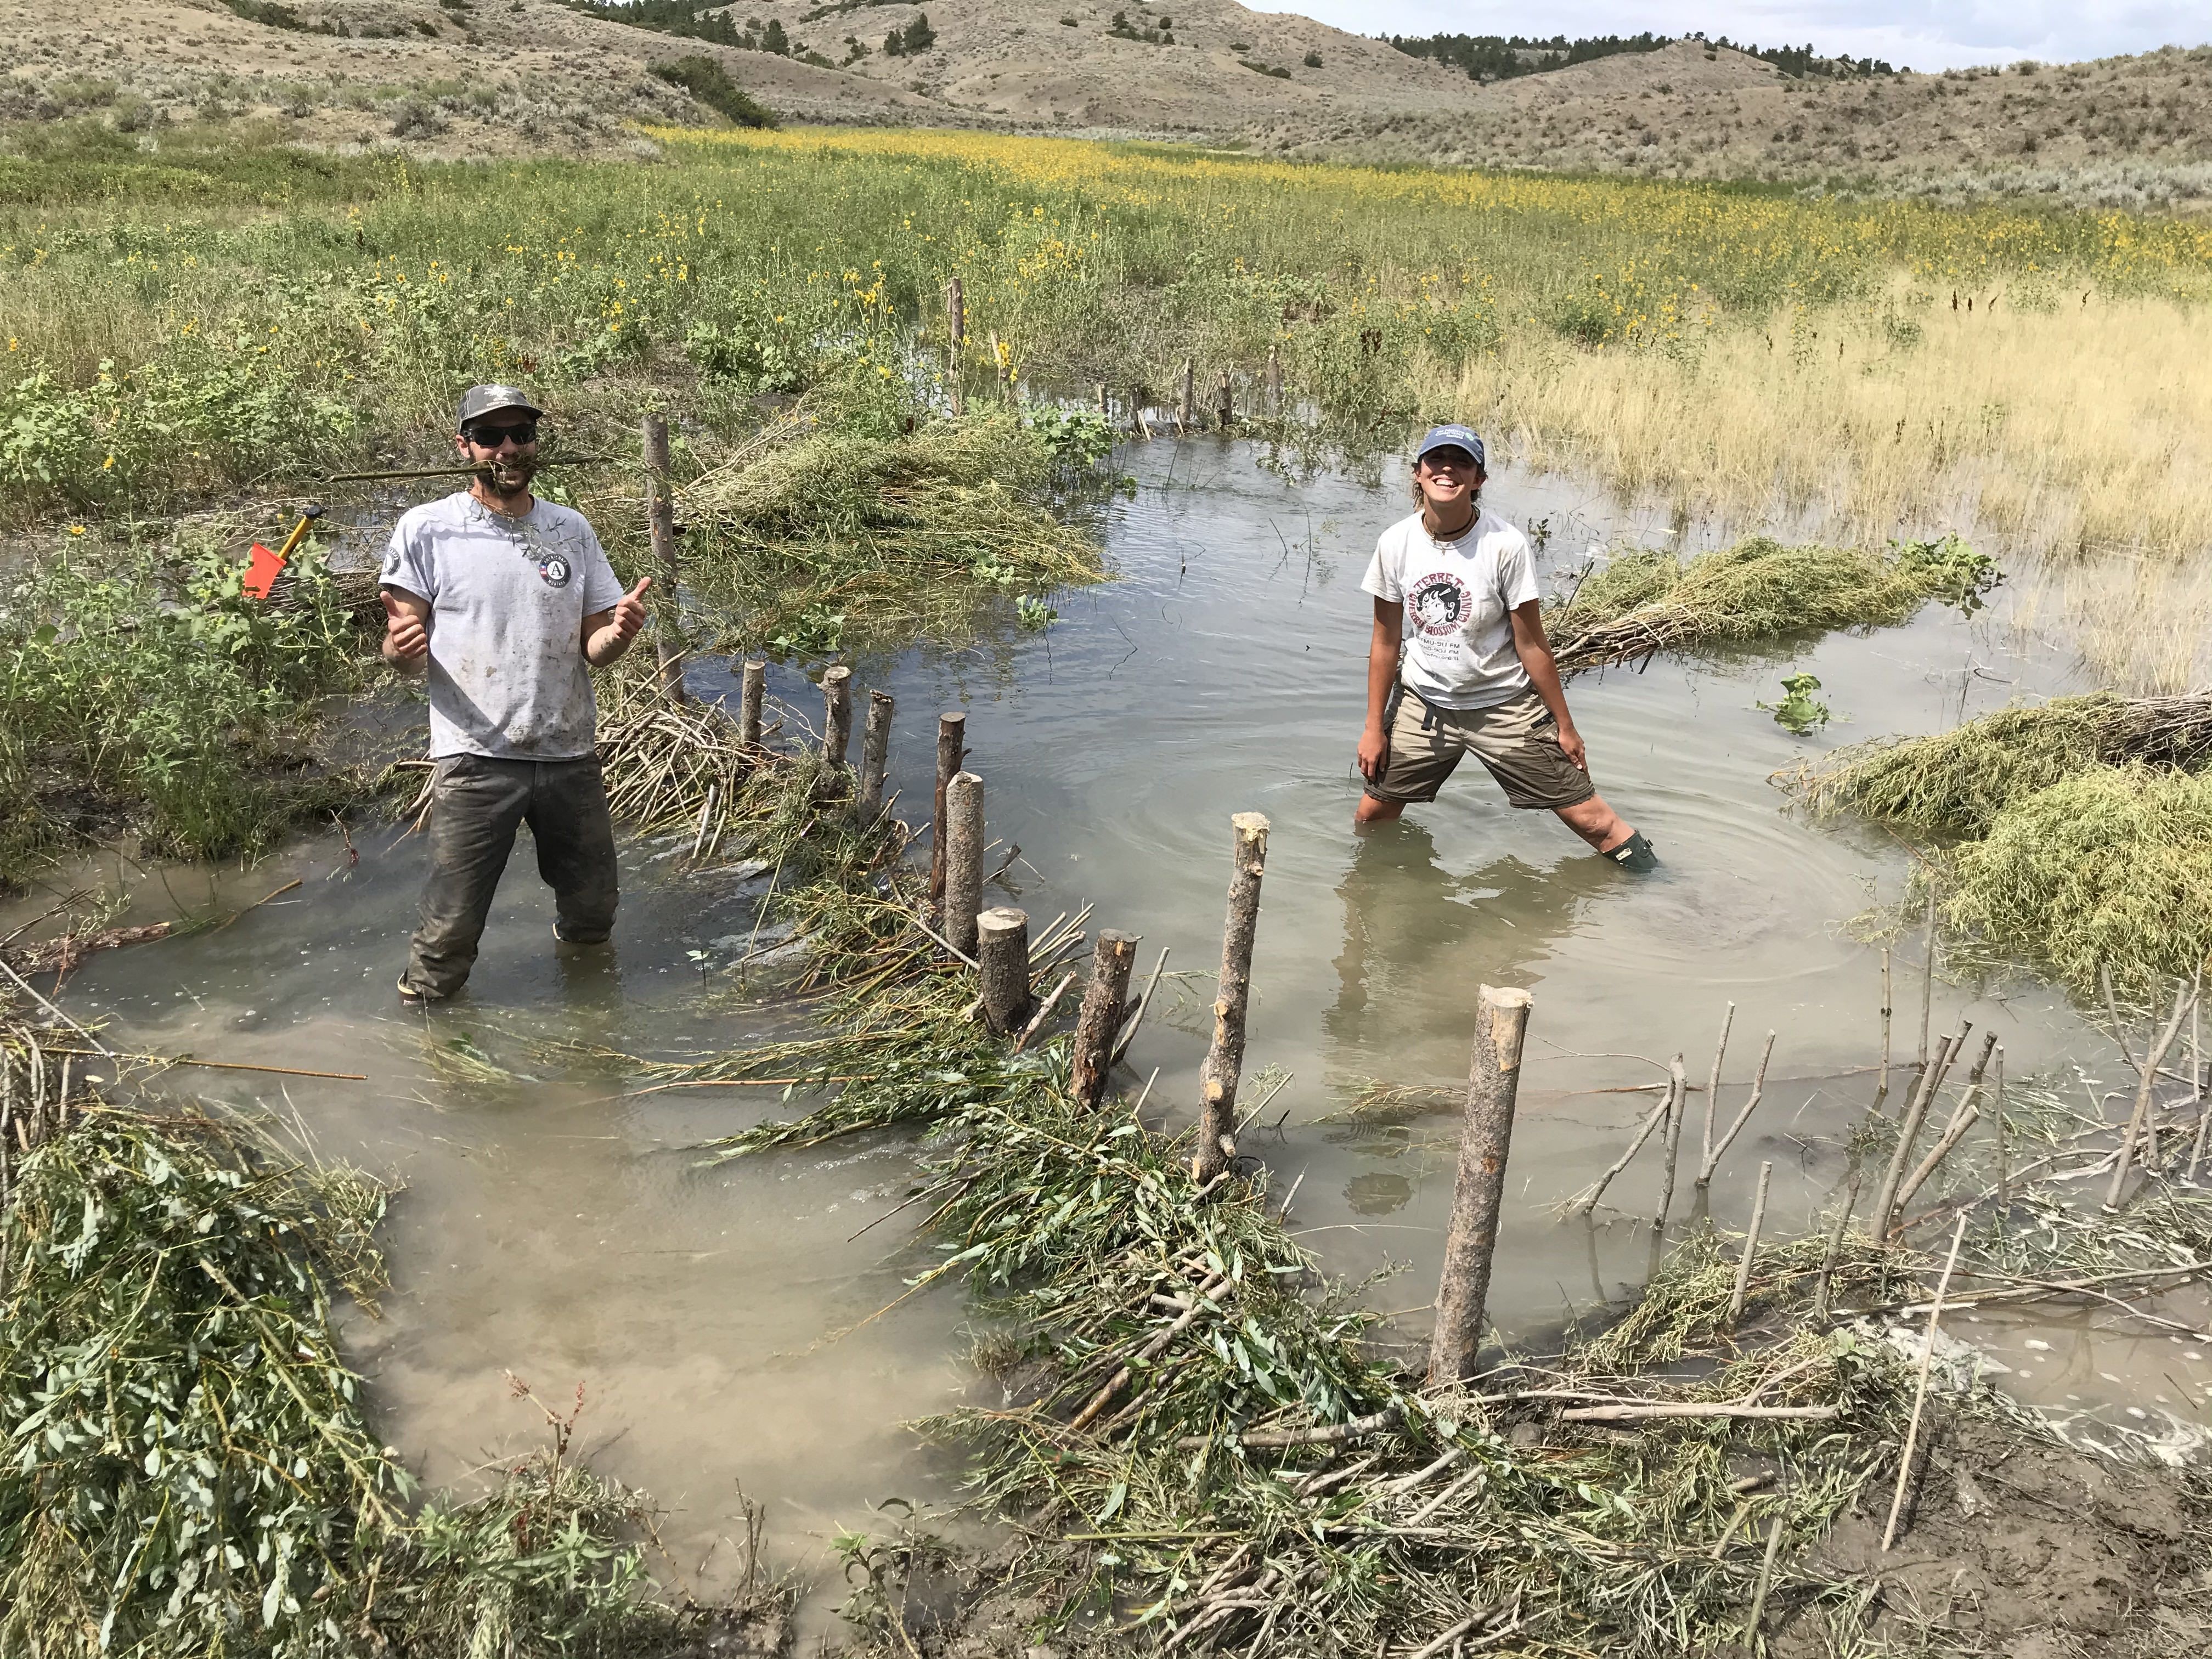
pixel 549 1228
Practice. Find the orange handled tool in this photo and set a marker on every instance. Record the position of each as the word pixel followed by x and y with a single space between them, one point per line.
pixel 261 574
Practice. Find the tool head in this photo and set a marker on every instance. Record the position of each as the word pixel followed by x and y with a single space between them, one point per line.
pixel 479 401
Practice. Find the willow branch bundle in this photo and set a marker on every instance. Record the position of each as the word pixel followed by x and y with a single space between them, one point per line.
pixel 1758 590
pixel 1957 782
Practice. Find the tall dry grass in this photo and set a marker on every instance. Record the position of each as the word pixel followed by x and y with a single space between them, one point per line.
pixel 2082 431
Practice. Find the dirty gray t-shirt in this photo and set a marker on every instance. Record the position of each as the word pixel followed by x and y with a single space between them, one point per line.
pixel 508 602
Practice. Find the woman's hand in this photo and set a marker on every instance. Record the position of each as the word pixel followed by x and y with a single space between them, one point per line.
pixel 1373 752
pixel 1570 742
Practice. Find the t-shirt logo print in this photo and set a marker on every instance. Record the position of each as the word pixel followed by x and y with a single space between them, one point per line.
pixel 555 569
pixel 1437 604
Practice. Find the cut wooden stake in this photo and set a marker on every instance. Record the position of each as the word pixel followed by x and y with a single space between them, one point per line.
pixel 1928 982
pixel 1765 1583
pixel 963 859
pixel 875 754
pixel 1835 1247
pixel 1002 950
pixel 1112 959
pixel 1137 1016
pixel 1225 1060
pixel 1964 1116
pixel 1501 1024
pixel 1224 408
pixel 752 694
pixel 836 713
pixel 1750 1244
pixel 1275 381
pixel 1587 1201
pixel 1712 1101
pixel 1681 1095
pixel 955 311
pixel 951 748
pixel 2005 1137
pixel 1043 1012
pixel 1758 1092
pixel 1931 1079
pixel 1187 410
pixel 1920 1388
pixel 661 526
pixel 2182 1003
pixel 1882 1083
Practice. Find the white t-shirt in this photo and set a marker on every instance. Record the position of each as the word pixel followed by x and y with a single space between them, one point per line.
pixel 508 602
pixel 1457 595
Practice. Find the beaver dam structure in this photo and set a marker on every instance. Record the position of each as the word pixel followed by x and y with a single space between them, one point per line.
pixel 1206 1443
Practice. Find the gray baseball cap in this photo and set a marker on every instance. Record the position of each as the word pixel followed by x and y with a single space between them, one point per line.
pixel 479 401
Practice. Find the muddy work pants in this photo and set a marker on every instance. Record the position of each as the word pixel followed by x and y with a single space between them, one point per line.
pixel 476 804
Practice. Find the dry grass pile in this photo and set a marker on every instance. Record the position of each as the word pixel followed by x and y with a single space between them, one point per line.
pixel 1757 591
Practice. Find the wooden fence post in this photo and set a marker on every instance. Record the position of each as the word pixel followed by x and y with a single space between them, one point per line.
pixel 1002 953
pixel 1225 1061
pixel 1485 1137
pixel 660 524
pixel 963 859
pixel 1187 410
pixel 956 317
pixel 952 734
pixel 836 713
pixel 752 693
pixel 1275 381
pixel 1100 1020
pixel 1224 407
pixel 875 754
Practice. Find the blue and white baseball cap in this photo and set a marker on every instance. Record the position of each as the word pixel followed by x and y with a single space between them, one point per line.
pixel 1452 437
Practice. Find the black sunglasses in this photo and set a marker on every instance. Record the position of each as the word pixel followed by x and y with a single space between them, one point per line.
pixel 491 437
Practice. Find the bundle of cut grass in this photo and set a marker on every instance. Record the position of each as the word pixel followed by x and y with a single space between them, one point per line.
pixel 1957 782
pixel 830 527
pixel 2110 868
pixel 1758 590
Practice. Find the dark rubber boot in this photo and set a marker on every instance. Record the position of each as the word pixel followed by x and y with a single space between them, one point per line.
pixel 1635 853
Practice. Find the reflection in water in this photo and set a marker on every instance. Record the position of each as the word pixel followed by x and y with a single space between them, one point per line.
pixel 1412 927
pixel 1375 1194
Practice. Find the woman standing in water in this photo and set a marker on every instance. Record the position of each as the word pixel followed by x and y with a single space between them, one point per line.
pixel 1477 674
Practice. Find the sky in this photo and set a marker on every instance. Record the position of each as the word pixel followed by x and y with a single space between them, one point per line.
pixel 1925 34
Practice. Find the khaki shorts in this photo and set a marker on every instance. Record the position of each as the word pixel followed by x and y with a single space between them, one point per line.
pixel 1518 740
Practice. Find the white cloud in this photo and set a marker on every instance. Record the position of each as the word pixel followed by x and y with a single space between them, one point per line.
pixel 1923 34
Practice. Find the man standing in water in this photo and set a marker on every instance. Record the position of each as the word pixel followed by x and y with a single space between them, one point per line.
pixel 508 603
pixel 1478 674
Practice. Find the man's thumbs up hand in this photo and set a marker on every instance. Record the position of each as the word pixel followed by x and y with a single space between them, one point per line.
pixel 630 613
pixel 405 637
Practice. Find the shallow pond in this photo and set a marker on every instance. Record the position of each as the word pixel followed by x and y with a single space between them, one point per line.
pixel 719 1318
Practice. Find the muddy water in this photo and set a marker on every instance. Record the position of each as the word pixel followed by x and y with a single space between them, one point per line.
pixel 719 1319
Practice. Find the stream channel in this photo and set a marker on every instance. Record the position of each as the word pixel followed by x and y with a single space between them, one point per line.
pixel 553 1225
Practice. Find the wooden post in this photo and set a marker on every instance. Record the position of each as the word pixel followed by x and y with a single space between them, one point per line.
pixel 1493 1080
pixel 1750 1244
pixel 1100 1021
pixel 836 713
pixel 1105 403
pixel 1931 1079
pixel 875 754
pixel 1674 1140
pixel 1713 1097
pixel 753 692
pixel 2138 1127
pixel 1275 381
pixel 1881 1084
pixel 1225 1061
pixel 1225 406
pixel 1928 982
pixel 963 859
pixel 660 524
pixel 1187 410
pixel 1002 950
pixel 951 731
pixel 956 313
